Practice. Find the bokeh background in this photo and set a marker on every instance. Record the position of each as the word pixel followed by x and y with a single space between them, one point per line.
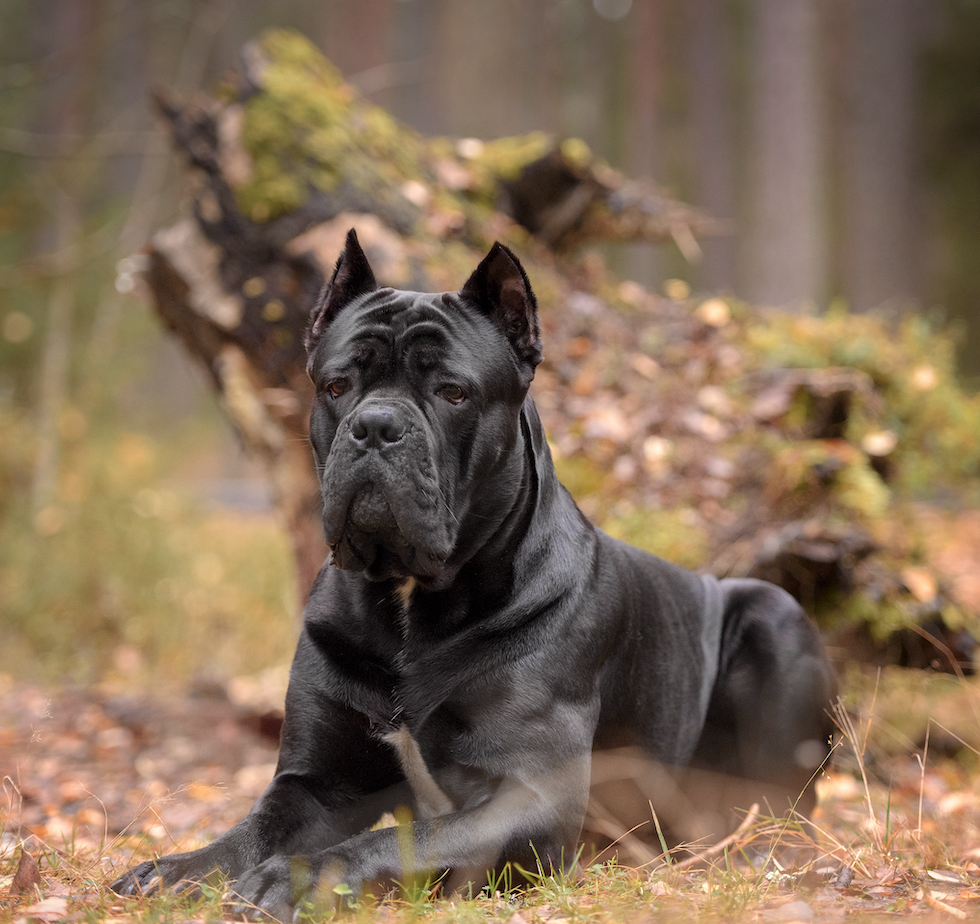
pixel 839 141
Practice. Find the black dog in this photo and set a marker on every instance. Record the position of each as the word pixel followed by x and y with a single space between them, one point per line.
pixel 476 638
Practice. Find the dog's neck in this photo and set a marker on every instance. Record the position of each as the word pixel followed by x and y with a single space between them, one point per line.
pixel 506 541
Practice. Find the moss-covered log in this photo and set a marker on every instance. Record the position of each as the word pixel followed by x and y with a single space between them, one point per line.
pixel 750 442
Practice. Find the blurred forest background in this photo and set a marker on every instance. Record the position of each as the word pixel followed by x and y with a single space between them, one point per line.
pixel 838 140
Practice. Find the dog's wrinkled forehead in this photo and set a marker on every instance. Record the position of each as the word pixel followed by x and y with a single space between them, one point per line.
pixel 492 318
pixel 397 311
pixel 435 329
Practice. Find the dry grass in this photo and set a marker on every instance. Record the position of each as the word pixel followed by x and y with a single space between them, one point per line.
pixel 898 835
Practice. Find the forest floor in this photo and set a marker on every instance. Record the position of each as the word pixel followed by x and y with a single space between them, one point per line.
pixel 95 780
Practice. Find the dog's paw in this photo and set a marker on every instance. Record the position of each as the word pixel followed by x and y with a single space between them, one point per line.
pixel 140 880
pixel 271 889
pixel 283 888
pixel 180 872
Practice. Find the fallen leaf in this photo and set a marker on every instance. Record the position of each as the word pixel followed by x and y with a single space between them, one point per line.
pixel 714 400
pixel 50 909
pixel 607 422
pixel 714 312
pixel 585 382
pixel 632 293
pixel 706 425
pixel 28 876
pixel 921 583
pixel 645 365
pixel 924 378
pixel 773 402
pixel 879 443
pixel 941 875
pixel 934 902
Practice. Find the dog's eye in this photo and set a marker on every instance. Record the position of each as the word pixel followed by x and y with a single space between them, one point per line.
pixel 337 387
pixel 452 393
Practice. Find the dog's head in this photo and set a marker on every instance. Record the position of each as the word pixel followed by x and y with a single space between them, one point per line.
pixel 417 413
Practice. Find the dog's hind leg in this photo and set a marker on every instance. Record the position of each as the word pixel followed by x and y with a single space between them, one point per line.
pixel 768 727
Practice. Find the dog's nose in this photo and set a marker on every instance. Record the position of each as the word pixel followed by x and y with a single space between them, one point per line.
pixel 377 426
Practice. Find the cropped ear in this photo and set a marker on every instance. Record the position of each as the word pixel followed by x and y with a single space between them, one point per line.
pixel 352 277
pixel 500 289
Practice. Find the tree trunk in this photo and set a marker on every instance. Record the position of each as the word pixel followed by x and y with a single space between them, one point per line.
pixel 644 148
pixel 880 263
pixel 786 260
pixel 71 36
pixel 712 134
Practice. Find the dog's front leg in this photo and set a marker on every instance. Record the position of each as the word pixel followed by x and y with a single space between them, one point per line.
pixel 334 779
pixel 532 822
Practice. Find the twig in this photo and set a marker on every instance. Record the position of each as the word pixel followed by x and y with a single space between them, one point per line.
pixel 953 661
pixel 940 646
pixel 747 822
pixel 604 821
pixel 933 902
pixel 850 734
pixel 922 758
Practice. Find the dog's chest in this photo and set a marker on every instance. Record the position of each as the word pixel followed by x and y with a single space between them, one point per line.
pixel 430 800
pixel 430 751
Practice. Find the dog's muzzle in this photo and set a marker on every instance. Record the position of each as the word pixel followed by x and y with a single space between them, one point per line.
pixel 383 509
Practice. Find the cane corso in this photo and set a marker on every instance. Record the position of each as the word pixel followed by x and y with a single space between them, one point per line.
pixel 474 646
